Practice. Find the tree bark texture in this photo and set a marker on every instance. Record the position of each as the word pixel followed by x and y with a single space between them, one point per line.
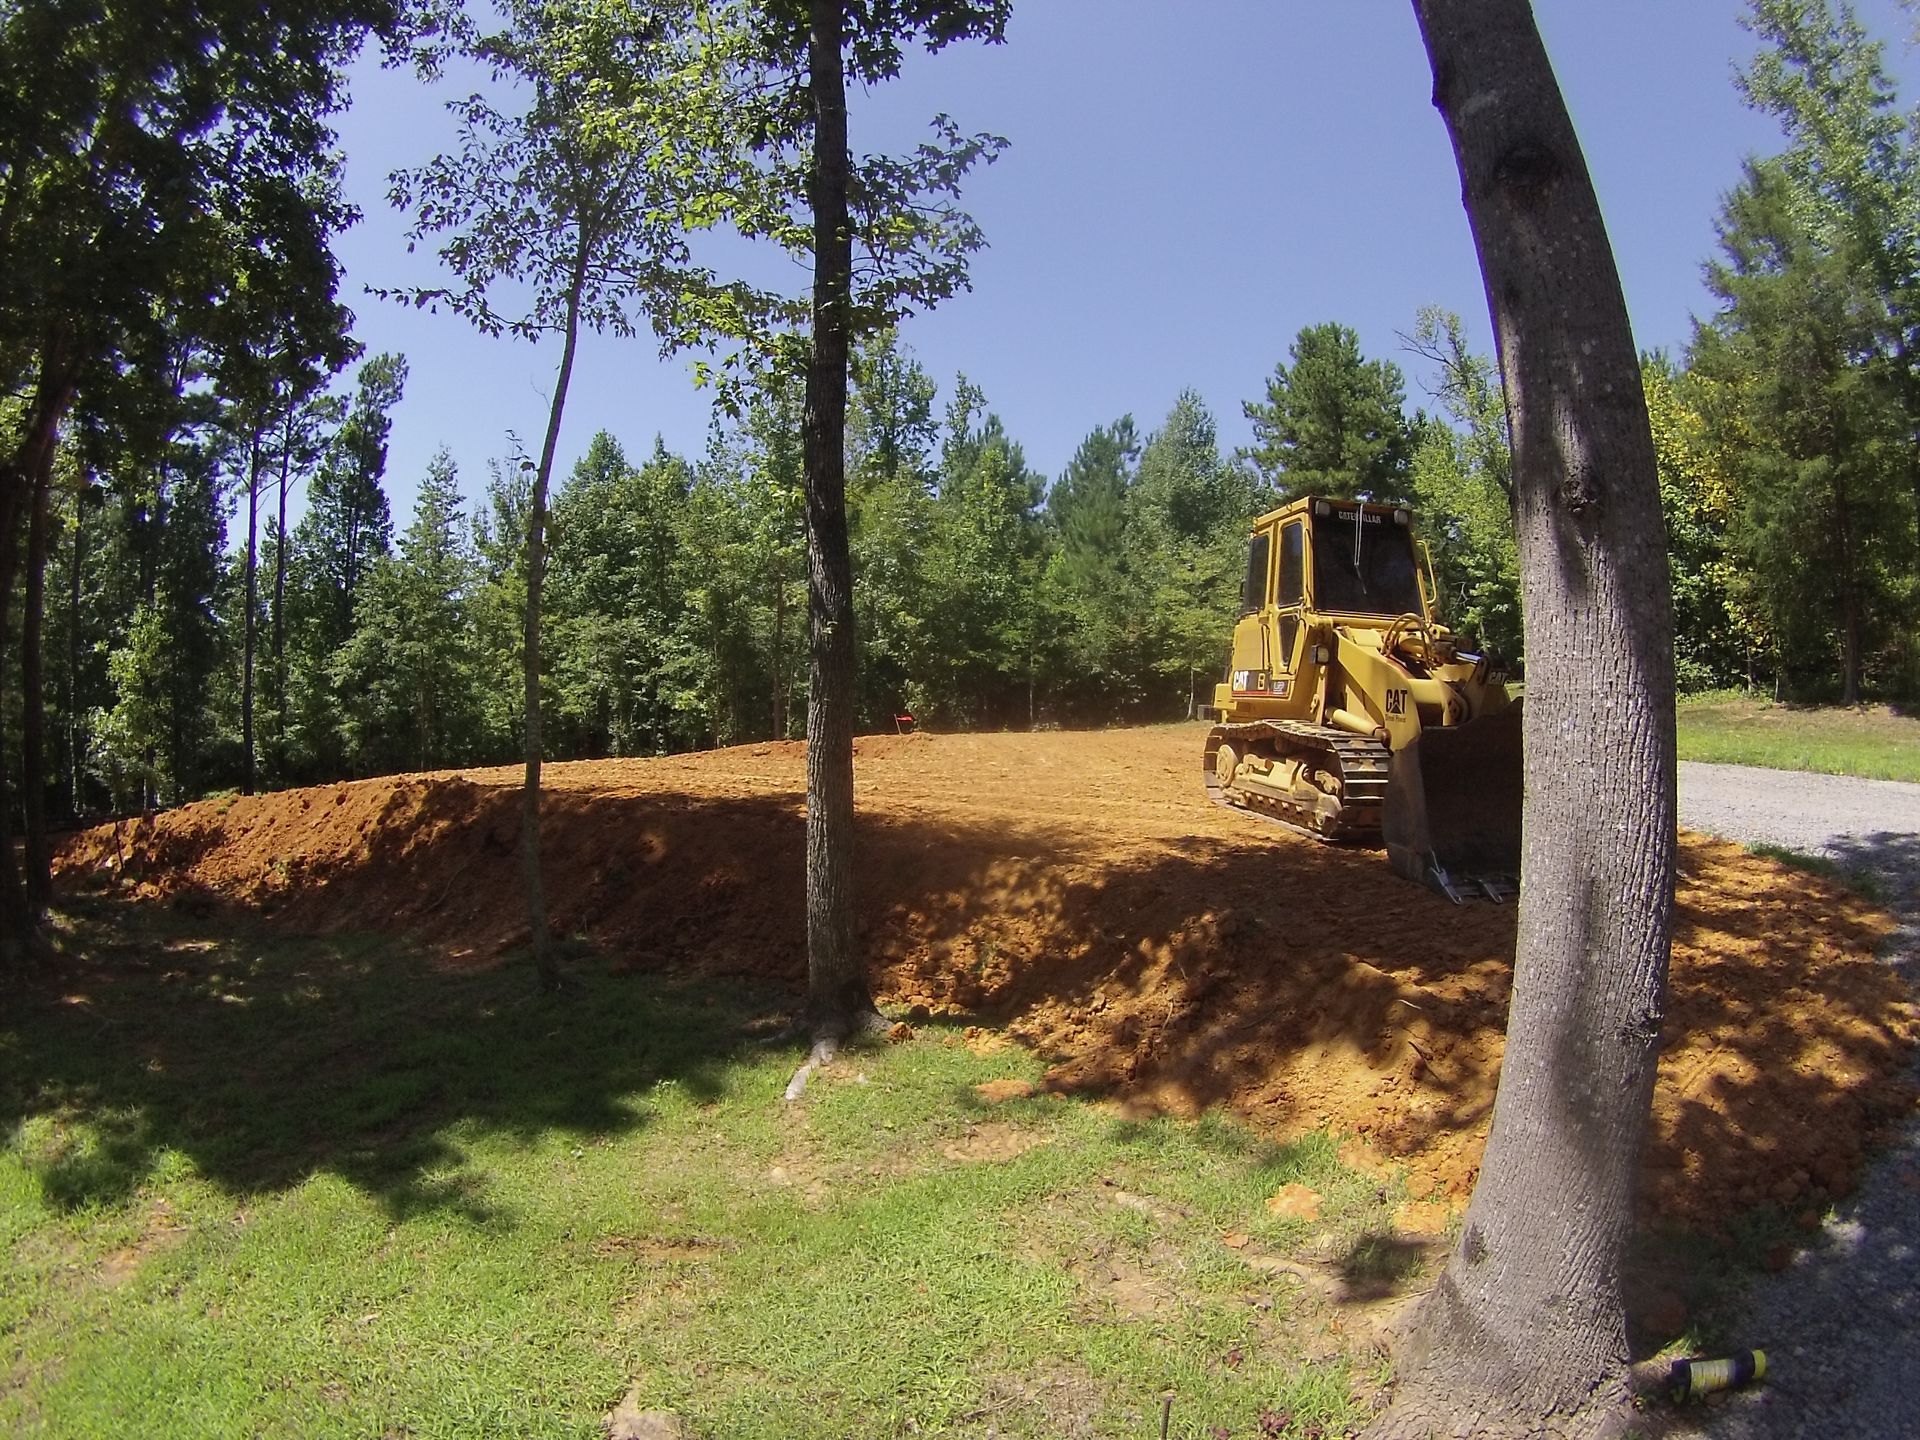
pixel 23 480
pixel 1526 1333
pixel 37 851
pixel 838 1000
pixel 540 936
pixel 249 627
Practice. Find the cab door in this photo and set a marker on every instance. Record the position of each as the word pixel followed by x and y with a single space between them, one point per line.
pixel 1289 598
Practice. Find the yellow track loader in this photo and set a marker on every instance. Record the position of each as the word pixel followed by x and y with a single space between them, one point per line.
pixel 1349 713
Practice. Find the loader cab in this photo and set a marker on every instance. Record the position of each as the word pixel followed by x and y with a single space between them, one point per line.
pixel 1333 557
pixel 1310 561
pixel 1363 563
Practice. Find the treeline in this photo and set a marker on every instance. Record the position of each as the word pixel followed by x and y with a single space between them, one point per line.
pixel 986 595
pixel 676 590
pixel 1789 432
pixel 206 589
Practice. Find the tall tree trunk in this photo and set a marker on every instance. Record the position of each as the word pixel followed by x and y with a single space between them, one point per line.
pixel 33 703
pixel 73 651
pixel 1846 569
pixel 541 939
pixel 1526 1332
pixel 779 655
pixel 280 607
pixel 838 1000
pixel 250 626
pixel 22 479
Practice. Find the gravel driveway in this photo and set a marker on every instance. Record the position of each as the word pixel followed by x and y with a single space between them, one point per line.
pixel 1841 1326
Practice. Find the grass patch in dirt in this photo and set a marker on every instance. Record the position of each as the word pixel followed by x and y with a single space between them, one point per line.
pixel 1862 882
pixel 327 1187
pixel 1729 727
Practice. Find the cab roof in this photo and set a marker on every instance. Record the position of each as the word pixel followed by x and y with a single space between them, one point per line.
pixel 1301 506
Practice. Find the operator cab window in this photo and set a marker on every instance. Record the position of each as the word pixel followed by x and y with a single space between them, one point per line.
pixel 1253 594
pixel 1363 564
pixel 1292 563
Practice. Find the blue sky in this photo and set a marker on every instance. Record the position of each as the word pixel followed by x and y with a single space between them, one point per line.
pixel 1188 185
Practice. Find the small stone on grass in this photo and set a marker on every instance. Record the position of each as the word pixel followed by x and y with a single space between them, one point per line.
pixel 629 1422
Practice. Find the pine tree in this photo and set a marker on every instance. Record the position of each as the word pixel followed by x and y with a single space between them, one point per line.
pixel 981 581
pixel 1333 423
pixel 347 530
pixel 1097 608
pixel 1186 535
pixel 1821 514
pixel 407 682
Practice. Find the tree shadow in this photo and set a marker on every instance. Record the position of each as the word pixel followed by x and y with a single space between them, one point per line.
pixel 1379 1264
pixel 267 1059
pixel 1215 964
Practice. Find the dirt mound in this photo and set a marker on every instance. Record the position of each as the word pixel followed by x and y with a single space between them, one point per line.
pixel 1079 888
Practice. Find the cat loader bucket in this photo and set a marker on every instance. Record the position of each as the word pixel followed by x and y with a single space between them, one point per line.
pixel 1452 816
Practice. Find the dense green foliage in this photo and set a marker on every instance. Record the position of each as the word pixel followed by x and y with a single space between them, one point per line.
pixel 1333 422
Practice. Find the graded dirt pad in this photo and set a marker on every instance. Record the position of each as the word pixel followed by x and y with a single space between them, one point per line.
pixel 1079 889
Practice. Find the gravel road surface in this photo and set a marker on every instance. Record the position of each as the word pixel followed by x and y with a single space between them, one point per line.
pixel 1841 1325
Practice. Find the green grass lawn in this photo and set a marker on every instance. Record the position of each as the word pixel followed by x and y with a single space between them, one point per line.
pixel 1732 728
pixel 257 1186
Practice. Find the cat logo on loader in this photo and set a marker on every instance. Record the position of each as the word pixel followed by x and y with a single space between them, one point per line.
pixel 1350 714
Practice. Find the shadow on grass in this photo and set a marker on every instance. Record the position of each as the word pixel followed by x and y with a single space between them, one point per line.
pixel 1289 981
pixel 1378 1265
pixel 267 1059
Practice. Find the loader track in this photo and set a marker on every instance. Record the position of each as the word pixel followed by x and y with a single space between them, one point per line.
pixel 1360 764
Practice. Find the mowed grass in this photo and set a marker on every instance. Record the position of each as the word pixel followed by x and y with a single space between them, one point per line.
pixel 1732 728
pixel 257 1186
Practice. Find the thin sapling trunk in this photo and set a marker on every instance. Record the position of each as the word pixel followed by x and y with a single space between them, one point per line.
pixel 540 937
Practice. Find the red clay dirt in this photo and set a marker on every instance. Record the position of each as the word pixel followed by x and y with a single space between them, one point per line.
pixel 1080 889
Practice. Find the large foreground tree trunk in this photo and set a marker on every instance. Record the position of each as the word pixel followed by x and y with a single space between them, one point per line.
pixel 838 1001
pixel 1526 1333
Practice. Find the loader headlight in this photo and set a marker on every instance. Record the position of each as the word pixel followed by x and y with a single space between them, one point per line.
pixel 1321 655
pixel 1402 517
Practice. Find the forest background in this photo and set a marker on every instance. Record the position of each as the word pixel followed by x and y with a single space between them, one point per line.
pixel 989 594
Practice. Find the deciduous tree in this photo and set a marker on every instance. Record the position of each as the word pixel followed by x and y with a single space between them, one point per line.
pixel 546 198
pixel 778 106
pixel 1461 482
pixel 1525 1332
pixel 135 144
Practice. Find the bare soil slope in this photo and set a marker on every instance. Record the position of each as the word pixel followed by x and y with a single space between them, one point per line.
pixel 1079 888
